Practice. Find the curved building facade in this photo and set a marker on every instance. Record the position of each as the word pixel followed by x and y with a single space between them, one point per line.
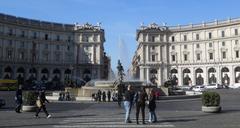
pixel 33 49
pixel 195 54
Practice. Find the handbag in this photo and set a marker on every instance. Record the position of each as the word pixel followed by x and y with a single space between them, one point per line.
pixel 39 103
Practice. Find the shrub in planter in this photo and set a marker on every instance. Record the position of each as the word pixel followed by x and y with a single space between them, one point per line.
pixel 29 100
pixel 211 102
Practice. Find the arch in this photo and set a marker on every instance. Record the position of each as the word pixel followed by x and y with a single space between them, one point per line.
pixel 186 77
pixel 56 71
pixel 237 74
pixel 199 78
pixel 21 70
pixel 174 71
pixel 45 71
pixel 225 76
pixel 153 71
pixel 67 71
pixel 186 70
pixel 8 72
pixel 212 79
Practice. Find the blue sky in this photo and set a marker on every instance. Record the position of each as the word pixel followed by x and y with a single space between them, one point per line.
pixel 121 18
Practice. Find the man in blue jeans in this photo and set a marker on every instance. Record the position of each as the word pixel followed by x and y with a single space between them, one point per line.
pixel 128 101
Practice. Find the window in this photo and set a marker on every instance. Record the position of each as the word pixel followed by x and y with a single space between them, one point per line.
pixel 22 44
pixel 185 57
pixel 223 34
pixel 173 58
pixel 23 34
pixel 210 56
pixel 236 32
pixel 224 55
pixel 46 36
pixel 237 53
pixel 10 32
pixel 57 57
pixel 21 55
pixel 9 54
pixel 173 47
pixel 46 57
pixel 58 38
pixel 223 43
pixel 34 35
pixel 10 43
pixel 236 42
pixel 198 46
pixel 57 47
pixel 68 47
pixel 197 36
pixel 210 35
pixel 210 45
pixel 198 56
pixel 46 46
pixel 173 38
pixel 153 47
pixel 153 58
pixel 185 37
pixel 69 38
pixel 185 46
pixel 95 38
pixel 153 38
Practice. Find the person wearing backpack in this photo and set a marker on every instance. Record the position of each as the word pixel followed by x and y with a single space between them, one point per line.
pixel 140 100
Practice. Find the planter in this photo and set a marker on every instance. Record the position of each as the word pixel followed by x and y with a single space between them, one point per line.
pixel 211 109
pixel 28 108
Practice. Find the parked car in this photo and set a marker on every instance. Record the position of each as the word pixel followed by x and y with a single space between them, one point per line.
pixel 198 88
pixel 213 86
pixel 184 87
pixel 2 102
pixel 234 86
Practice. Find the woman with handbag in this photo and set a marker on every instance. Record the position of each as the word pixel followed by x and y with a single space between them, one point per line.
pixel 41 100
pixel 152 107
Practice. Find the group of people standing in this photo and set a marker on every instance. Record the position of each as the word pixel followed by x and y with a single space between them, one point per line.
pixel 102 96
pixel 141 99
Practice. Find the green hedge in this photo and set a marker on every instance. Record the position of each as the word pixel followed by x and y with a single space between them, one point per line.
pixel 29 97
pixel 10 88
pixel 210 99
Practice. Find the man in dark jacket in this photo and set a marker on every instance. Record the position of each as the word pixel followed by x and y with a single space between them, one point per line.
pixel 128 101
pixel 42 99
pixel 18 99
pixel 140 99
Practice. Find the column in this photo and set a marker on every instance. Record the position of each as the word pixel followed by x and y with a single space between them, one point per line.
pixel 147 73
pixel 159 53
pixel 62 75
pixel 50 77
pixel 160 81
pixel 180 77
pixel 38 74
pixel 193 75
pixel 232 75
pixel 94 54
pixel 205 76
pixel 1 71
pixel 14 73
pixel 219 75
pixel 141 73
pixel 147 54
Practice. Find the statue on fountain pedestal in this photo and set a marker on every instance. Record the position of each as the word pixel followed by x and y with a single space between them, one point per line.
pixel 120 84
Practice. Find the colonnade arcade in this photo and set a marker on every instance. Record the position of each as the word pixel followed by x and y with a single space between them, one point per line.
pixel 227 75
pixel 43 74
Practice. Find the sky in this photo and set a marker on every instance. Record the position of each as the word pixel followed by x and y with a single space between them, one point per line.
pixel 121 18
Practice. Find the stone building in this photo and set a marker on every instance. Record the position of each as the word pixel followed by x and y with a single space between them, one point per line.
pixel 40 50
pixel 194 54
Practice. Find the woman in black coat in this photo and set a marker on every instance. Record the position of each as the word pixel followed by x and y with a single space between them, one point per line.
pixel 152 107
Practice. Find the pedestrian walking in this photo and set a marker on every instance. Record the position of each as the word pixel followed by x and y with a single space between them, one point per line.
pixel 41 104
pixel 18 99
pixel 140 99
pixel 109 95
pixel 104 96
pixel 128 102
pixel 152 107
pixel 99 95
